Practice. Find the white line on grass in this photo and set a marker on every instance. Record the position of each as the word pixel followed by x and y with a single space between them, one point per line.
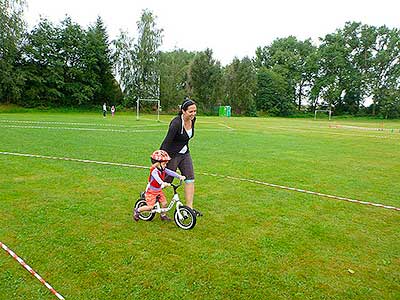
pixel 281 129
pixel 214 175
pixel 100 129
pixel 352 127
pixel 219 124
pixel 74 123
pixel 226 126
pixel 327 132
pixel 160 121
pixel 80 128
pixel 74 159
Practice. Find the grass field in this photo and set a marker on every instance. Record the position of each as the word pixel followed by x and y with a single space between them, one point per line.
pixel 71 220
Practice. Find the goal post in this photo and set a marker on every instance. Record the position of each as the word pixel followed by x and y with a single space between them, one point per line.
pixel 323 110
pixel 148 100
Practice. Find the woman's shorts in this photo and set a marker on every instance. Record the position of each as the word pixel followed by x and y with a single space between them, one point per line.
pixel 184 163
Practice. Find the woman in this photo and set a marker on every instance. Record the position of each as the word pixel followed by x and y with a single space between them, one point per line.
pixel 176 143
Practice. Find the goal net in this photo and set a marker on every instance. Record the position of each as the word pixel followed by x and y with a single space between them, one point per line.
pixel 148 106
pixel 322 112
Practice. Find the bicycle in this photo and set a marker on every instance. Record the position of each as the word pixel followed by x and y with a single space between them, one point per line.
pixel 184 216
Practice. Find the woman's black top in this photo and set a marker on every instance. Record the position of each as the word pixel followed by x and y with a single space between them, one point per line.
pixel 176 137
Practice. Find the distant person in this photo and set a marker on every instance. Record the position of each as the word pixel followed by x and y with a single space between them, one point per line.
pixel 112 111
pixel 176 143
pixel 156 183
pixel 104 110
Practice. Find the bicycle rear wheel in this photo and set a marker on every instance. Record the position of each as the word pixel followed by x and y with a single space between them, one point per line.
pixel 144 215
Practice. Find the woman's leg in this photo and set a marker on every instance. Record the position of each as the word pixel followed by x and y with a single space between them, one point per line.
pixel 186 168
pixel 189 193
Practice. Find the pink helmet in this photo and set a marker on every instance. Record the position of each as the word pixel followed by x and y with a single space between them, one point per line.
pixel 160 155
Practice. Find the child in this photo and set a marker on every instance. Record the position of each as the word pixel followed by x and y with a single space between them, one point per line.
pixel 158 170
pixel 112 111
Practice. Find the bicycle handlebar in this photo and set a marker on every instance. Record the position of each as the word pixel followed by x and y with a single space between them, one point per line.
pixel 175 186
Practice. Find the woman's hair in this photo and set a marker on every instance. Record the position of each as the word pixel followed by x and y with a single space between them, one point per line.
pixel 185 104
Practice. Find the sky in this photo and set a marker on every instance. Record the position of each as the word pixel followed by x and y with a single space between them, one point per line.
pixel 230 28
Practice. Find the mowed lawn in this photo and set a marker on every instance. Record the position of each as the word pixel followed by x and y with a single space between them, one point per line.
pixel 71 221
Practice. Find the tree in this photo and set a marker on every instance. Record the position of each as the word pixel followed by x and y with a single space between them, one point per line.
pixel 174 67
pixel 293 60
pixel 272 93
pixel 43 66
pixel 99 65
pixel 240 86
pixel 205 80
pixel 147 56
pixel 68 66
pixel 137 65
pixel 357 62
pixel 333 71
pixel 385 81
pixel 359 41
pixel 124 66
pixel 11 34
pixel 75 89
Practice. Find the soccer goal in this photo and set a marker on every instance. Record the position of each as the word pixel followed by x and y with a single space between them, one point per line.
pixel 323 111
pixel 148 105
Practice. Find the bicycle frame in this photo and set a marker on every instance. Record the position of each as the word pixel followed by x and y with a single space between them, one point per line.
pixel 175 199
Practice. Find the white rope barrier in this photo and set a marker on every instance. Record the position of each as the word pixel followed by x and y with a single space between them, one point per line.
pixel 214 175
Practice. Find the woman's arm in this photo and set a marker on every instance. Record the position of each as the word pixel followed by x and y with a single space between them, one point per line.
pixel 169 138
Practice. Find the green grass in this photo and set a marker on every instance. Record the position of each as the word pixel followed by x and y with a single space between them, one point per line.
pixel 71 221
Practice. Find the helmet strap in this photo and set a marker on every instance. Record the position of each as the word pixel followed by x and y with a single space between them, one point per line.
pixel 159 167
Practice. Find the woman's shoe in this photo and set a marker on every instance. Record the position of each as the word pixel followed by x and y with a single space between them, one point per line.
pixel 197 212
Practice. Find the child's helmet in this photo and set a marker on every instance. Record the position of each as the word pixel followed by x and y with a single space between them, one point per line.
pixel 159 156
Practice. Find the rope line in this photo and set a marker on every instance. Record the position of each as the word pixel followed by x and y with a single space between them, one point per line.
pixel 215 175
pixel 30 270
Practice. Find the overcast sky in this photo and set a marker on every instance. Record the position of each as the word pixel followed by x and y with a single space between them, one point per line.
pixel 230 28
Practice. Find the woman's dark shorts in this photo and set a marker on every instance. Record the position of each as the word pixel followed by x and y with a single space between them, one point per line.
pixel 184 163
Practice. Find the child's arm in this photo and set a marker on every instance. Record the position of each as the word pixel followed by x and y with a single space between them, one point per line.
pixel 157 177
pixel 174 174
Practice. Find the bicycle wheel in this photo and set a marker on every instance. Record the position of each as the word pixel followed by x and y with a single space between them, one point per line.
pixel 189 217
pixel 144 215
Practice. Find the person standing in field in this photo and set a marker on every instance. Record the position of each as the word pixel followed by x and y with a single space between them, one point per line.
pixel 176 143
pixel 112 111
pixel 104 110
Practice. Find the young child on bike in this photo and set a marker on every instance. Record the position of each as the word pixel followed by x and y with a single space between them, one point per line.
pixel 158 170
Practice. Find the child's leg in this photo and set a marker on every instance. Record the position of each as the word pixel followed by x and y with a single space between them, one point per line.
pixel 163 202
pixel 145 208
pixel 163 205
pixel 150 201
pixel 140 209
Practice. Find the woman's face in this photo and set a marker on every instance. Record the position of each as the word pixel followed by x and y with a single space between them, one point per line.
pixel 190 113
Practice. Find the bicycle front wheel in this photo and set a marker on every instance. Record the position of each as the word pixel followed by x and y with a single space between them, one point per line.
pixel 186 218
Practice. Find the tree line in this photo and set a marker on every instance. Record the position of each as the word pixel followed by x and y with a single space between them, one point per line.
pixel 65 65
